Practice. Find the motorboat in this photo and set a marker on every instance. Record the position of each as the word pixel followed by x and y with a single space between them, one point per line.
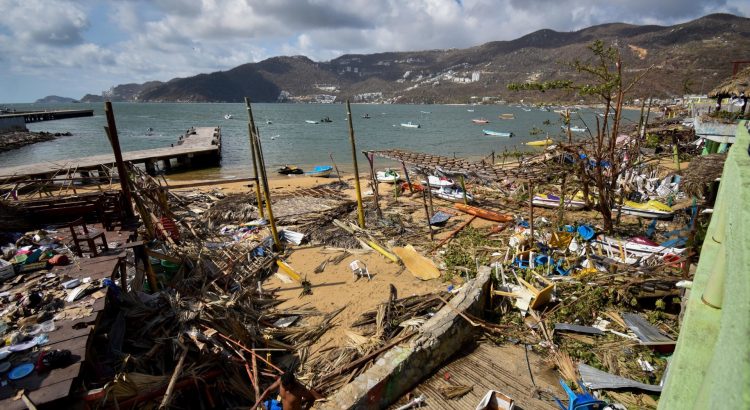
pixel 438 181
pixel 228 116
pixel 453 194
pixel 541 143
pixel 410 125
pixel 311 122
pixel 290 170
pixel 508 116
pixel 574 128
pixel 388 176
pixel 553 201
pixel 650 209
pixel 480 121
pixel 325 119
pixel 366 116
pixel 497 133
pixel 323 171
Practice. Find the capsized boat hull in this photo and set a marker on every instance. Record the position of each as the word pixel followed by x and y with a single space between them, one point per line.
pixel 483 213
pixel 548 201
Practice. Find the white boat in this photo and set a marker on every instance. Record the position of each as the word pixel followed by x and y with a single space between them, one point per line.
pixel 497 133
pixel 227 116
pixel 388 176
pixel 480 121
pixel 453 194
pixel 574 128
pixel 552 201
pixel 311 122
pixel 439 181
pixel 634 248
pixel 651 209
pixel 469 110
pixel 410 125
pixel 526 109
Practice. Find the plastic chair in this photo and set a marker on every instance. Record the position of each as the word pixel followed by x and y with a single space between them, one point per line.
pixel 583 401
pixel 359 271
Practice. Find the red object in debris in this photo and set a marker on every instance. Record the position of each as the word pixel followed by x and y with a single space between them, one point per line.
pixel 672 260
pixel 170 227
pixel 447 376
pixel 59 260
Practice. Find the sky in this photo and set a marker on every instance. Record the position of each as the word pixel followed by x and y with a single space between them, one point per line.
pixel 73 47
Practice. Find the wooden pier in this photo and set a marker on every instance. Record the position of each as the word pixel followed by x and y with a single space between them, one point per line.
pixel 36 116
pixel 200 147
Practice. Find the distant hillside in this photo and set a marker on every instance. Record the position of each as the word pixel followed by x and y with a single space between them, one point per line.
pixel 686 58
pixel 55 99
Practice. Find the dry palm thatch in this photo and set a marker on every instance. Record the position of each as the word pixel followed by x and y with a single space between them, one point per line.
pixel 737 85
pixel 703 170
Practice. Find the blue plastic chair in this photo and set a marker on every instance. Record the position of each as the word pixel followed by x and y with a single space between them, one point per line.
pixel 583 401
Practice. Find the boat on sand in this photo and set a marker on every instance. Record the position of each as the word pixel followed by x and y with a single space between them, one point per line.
pixel 323 171
pixel 438 181
pixel 553 201
pixel 290 170
pixel 388 176
pixel 453 194
pixel 484 213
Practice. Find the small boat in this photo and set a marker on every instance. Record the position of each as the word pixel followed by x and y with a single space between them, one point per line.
pixel 149 131
pixel 290 170
pixel 526 109
pixel 553 201
pixel 325 119
pixel 323 171
pixel 425 112
pixel 311 122
pixel 480 121
pixel 506 116
pixel 651 209
pixel 410 125
pixel 269 122
pixel 483 213
pixel 497 133
pixel 388 176
pixel 469 110
pixel 634 247
pixel 438 181
pixel 453 194
pixel 366 116
pixel 228 116
pixel 574 128
pixel 541 143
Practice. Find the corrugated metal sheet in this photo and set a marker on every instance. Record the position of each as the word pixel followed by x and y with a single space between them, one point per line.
pixel 489 367
pixel 596 379
pixel 647 333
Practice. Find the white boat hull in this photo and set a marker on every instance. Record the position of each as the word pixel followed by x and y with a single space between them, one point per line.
pixel 553 203
pixel 644 213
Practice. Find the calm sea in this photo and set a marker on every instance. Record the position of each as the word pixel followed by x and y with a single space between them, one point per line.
pixel 288 139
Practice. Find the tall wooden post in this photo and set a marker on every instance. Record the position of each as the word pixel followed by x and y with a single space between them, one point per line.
pixel 463 188
pixel 374 182
pixel 531 211
pixel 429 193
pixel 357 189
pixel 255 137
pixel 114 140
pixel 406 175
pixel 427 213
pixel 250 132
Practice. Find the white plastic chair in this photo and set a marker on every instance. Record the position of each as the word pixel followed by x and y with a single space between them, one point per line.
pixel 359 271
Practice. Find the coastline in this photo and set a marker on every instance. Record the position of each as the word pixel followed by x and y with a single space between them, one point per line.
pixel 11 140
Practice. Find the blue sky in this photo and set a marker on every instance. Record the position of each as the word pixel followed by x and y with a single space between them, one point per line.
pixel 74 47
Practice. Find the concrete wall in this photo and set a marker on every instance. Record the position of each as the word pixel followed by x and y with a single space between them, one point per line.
pixel 403 367
pixel 12 124
pixel 710 368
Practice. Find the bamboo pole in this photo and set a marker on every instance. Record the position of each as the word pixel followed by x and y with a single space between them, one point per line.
pixel 114 140
pixel 406 175
pixel 175 375
pixel 255 137
pixel 429 193
pixel 338 174
pixel 463 188
pixel 374 182
pixel 427 213
pixel 357 188
pixel 531 211
pixel 250 128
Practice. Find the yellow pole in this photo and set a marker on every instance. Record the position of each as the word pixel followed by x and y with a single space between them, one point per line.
pixel 263 176
pixel 463 187
pixel 358 190
pixel 250 129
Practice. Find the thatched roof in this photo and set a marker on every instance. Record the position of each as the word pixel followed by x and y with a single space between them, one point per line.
pixel 702 170
pixel 736 85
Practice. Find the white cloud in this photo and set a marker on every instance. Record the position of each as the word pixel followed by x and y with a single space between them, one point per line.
pixel 162 39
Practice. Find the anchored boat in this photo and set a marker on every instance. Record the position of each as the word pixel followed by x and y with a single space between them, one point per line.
pixel 541 143
pixel 410 125
pixel 480 121
pixel 497 133
pixel 323 171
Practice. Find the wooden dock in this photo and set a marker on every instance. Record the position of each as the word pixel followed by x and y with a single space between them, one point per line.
pixel 36 116
pixel 199 147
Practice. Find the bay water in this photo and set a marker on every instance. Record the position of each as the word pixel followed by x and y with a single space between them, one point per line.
pixel 287 137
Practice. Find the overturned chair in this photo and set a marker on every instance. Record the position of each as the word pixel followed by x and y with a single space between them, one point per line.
pixel 359 271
